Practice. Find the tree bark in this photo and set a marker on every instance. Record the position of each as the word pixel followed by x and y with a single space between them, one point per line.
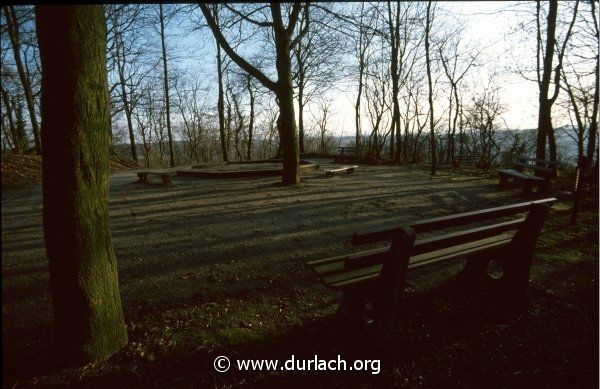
pixel 88 318
pixel 301 82
pixel 394 25
pixel 545 105
pixel 251 119
pixel 285 95
pixel 429 83
pixel 166 83
pixel 221 92
pixel 591 146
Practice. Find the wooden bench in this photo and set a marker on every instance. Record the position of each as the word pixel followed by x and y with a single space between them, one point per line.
pixel 347 169
pixel 468 159
pixel 543 171
pixel 378 276
pixel 346 154
pixel 164 175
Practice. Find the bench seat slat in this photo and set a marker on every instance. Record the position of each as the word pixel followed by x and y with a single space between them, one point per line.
pixel 365 274
pixel 342 258
pixel 522 176
pixel 336 264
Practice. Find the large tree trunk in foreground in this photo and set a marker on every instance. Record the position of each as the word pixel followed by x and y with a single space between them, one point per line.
pixel 88 318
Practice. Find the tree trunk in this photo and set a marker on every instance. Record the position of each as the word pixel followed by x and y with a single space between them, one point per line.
pixel 429 83
pixel 124 98
pixel 88 317
pixel 301 82
pixel 221 107
pixel 13 31
pixel 591 146
pixel 545 104
pixel 127 109
pixel 15 123
pixel 285 95
pixel 166 82
pixel 251 119
pixel 357 110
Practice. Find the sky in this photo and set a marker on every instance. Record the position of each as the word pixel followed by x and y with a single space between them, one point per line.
pixel 487 24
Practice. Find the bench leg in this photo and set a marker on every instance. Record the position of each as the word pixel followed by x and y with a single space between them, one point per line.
pixel 503 182
pixel 517 262
pixel 392 279
pixel 543 188
pixel 527 188
pixel 167 180
pixel 353 305
pixel 142 178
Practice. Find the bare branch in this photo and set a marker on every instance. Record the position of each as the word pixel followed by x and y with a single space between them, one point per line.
pixel 241 62
pixel 247 17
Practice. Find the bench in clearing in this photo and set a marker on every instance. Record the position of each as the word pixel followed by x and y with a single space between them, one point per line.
pixel 347 169
pixel 346 154
pixel 378 276
pixel 165 175
pixel 467 159
pixel 543 170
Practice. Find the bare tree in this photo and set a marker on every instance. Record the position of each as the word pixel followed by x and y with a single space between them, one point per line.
pixel 124 54
pixel 482 119
pixel 581 87
pixel 13 26
pixel 364 40
pixel 322 118
pixel 544 73
pixel 451 63
pixel 429 83
pixel 285 41
pixel 166 84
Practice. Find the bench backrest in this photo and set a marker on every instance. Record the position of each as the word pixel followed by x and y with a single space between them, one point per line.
pixel 464 234
pixel 388 265
pixel 542 167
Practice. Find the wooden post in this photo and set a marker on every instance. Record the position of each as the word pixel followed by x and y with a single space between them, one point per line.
pixel 392 279
pixel 519 255
pixel 353 304
pixel 577 191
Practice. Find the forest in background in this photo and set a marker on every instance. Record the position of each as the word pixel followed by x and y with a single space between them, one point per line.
pixel 409 68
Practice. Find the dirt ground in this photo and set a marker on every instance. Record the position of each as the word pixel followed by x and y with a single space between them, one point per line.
pixel 212 267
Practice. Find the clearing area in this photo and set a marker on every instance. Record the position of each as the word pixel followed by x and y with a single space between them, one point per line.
pixel 215 267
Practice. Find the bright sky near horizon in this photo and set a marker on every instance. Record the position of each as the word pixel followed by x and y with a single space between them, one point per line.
pixel 486 23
